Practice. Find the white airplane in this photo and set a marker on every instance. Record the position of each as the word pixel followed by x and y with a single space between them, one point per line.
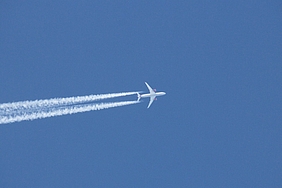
pixel 153 94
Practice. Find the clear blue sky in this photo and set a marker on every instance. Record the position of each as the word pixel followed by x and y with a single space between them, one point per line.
pixel 219 125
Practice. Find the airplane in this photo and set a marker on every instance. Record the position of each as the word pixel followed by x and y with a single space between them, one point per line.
pixel 153 94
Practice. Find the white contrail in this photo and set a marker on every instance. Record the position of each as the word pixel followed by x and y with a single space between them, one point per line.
pixel 58 111
pixel 46 103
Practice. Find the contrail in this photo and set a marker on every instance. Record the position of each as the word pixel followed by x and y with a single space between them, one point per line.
pixel 60 110
pixel 47 103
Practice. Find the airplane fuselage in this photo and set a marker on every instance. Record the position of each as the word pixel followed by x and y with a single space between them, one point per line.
pixel 152 94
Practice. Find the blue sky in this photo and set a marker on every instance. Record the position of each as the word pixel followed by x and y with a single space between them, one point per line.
pixel 218 126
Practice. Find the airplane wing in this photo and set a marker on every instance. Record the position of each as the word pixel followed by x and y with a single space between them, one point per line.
pixel 151 100
pixel 150 89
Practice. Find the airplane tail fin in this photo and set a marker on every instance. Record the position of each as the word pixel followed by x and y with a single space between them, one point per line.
pixel 139 96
